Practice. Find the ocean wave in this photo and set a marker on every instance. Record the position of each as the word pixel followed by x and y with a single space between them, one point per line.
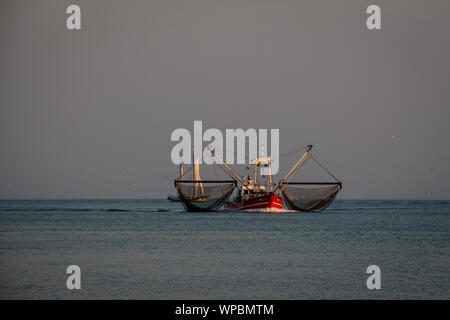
pixel 368 208
pixel 29 209
pixel 53 209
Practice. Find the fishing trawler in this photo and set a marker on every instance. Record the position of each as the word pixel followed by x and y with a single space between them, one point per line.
pixel 253 193
pixel 257 192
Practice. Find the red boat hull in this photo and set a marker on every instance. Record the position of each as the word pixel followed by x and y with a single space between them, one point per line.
pixel 271 201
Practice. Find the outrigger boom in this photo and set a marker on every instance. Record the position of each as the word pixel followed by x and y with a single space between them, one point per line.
pixel 297 165
pixel 233 173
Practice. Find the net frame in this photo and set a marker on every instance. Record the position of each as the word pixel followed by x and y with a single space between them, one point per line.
pixel 322 205
pixel 189 204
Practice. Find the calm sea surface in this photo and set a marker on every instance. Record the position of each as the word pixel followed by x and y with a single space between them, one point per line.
pixel 152 249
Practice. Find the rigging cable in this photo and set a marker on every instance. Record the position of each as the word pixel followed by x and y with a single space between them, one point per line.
pixel 323 167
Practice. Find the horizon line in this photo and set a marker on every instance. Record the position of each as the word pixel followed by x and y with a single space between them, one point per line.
pixel 165 198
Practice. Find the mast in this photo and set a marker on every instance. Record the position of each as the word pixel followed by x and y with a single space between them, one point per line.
pixel 196 174
pixel 263 162
pixel 295 167
pixel 270 176
pixel 255 175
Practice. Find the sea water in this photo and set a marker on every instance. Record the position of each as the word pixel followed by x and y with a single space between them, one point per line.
pixel 153 249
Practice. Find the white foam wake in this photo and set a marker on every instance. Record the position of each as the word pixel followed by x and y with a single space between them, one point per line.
pixel 269 210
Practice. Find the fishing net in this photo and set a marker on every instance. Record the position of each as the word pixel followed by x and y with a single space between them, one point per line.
pixel 204 195
pixel 309 198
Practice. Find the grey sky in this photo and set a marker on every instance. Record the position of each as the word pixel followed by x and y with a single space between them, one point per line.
pixel 88 114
